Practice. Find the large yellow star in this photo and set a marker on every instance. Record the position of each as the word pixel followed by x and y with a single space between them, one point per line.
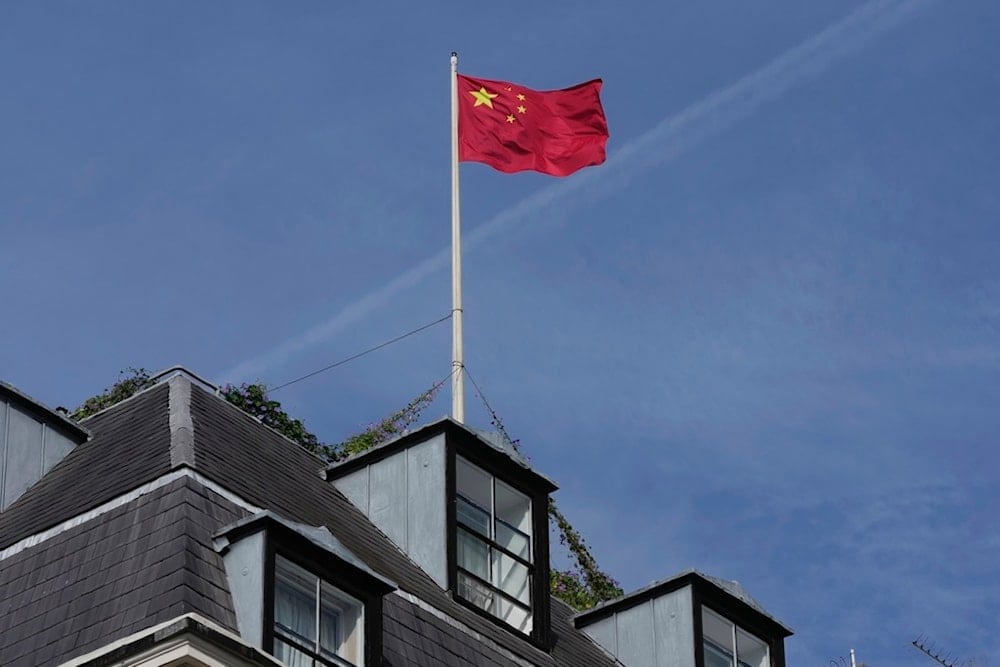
pixel 483 97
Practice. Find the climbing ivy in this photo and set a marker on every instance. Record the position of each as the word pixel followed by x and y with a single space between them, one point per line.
pixel 586 584
pixel 253 400
pixel 388 427
pixel 130 381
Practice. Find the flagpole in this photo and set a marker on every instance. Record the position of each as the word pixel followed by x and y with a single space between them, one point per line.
pixel 457 363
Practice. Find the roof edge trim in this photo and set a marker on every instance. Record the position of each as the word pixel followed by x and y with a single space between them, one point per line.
pixel 445 425
pixel 319 536
pixel 47 534
pixel 49 416
pixel 170 373
pixel 163 633
pixel 654 590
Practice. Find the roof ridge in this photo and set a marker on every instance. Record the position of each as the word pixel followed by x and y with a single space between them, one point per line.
pixel 181 424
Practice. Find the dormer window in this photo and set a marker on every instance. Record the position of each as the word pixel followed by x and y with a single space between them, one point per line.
pixel 469 511
pixel 300 595
pixel 705 621
pixel 494 560
pixel 725 644
pixel 314 623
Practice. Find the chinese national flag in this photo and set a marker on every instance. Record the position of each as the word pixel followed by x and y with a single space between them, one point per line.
pixel 513 128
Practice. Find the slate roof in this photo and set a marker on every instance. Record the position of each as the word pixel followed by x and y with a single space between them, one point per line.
pixel 126 450
pixel 152 559
pixel 135 566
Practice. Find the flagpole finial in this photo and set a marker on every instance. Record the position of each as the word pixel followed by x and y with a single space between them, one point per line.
pixel 454 57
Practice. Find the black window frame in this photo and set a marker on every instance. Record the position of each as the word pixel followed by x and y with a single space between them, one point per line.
pixel 738 613
pixel 537 489
pixel 292 639
pixel 703 592
pixel 339 573
pixel 492 544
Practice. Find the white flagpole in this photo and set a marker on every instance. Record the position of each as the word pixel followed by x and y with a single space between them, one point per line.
pixel 457 363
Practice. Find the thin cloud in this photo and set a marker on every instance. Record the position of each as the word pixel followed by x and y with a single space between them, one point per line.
pixel 665 142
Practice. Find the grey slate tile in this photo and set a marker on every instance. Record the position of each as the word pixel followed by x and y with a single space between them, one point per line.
pixel 130 433
pixel 84 607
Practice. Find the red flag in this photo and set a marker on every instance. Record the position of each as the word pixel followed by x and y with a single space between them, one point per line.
pixel 513 128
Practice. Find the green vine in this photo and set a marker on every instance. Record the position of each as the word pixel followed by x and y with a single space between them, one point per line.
pixel 130 382
pixel 388 427
pixel 253 400
pixel 586 585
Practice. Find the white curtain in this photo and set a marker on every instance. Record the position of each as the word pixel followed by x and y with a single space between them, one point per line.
pixel 295 614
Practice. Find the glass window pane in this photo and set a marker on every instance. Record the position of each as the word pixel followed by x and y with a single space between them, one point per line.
pixel 295 603
pixel 295 619
pixel 516 616
pixel 475 592
pixel 751 652
pixel 290 656
pixel 493 533
pixel 473 555
pixel 329 628
pixel 474 484
pixel 513 508
pixel 512 577
pixel 473 516
pixel 717 629
pixel 716 656
pixel 341 625
pixel 727 645
pixel 513 540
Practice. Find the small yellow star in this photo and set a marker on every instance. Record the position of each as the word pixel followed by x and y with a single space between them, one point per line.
pixel 520 97
pixel 520 108
pixel 510 118
pixel 483 97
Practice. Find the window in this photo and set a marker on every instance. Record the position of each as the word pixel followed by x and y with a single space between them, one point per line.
pixel 314 623
pixel 493 543
pixel 727 645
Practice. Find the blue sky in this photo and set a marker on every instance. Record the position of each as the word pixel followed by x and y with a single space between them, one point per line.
pixel 762 340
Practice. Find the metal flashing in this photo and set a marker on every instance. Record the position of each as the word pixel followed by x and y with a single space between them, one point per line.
pixel 124 499
pixel 46 414
pixel 165 635
pixel 445 425
pixel 731 589
pixel 319 536
pixel 167 374
pixel 181 425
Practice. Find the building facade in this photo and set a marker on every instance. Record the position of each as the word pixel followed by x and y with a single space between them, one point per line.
pixel 174 529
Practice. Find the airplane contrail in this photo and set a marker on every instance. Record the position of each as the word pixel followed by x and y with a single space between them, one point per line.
pixel 664 142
